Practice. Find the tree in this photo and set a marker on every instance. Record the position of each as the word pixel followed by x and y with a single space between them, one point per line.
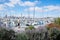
pixel 57 21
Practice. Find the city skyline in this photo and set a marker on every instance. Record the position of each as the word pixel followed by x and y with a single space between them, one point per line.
pixel 41 8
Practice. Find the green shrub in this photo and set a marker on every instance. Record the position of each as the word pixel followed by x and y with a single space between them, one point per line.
pixel 7 34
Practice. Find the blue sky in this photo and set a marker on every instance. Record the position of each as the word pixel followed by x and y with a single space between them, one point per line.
pixel 43 8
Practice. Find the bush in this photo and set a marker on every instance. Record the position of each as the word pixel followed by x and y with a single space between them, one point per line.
pixel 34 34
pixel 51 34
pixel 7 34
pixel 30 27
pixel 21 37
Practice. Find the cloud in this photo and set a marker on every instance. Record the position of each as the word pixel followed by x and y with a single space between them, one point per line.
pixel 12 3
pixel 2 7
pixel 9 4
pixel 37 9
pixel 51 8
pixel 27 3
pixel 44 8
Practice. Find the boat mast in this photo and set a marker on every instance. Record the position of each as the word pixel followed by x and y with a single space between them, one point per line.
pixel 34 13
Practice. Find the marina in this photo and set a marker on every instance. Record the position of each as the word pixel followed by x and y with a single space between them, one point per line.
pixel 20 23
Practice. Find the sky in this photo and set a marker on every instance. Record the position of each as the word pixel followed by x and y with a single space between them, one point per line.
pixel 41 8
